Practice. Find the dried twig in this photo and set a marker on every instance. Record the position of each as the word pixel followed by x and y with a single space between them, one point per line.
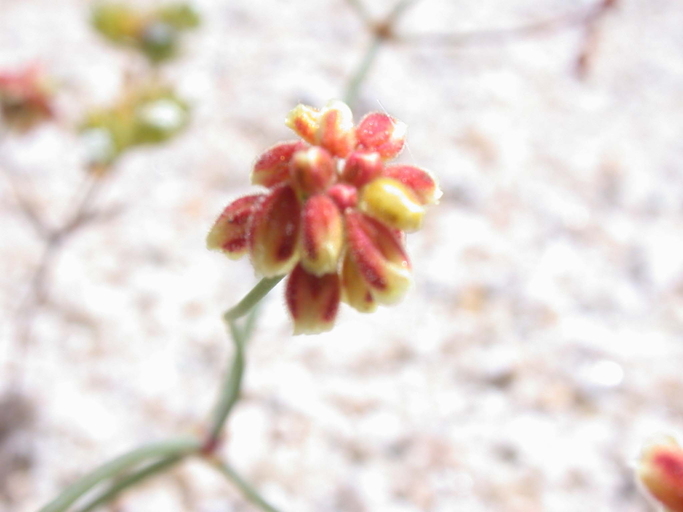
pixel 504 35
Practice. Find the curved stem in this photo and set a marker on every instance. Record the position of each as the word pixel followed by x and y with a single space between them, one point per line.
pixel 80 213
pixel 134 478
pixel 175 447
pixel 252 298
pixel 249 492
pixel 232 384
pixel 504 35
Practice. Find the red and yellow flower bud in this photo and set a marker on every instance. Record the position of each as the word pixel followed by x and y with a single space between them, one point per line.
pixel 360 168
pixel 378 252
pixel 25 99
pixel 230 232
pixel 381 133
pixel 392 203
pixel 272 167
pixel 322 235
pixel 274 232
pixel 304 120
pixel 336 132
pixel 312 171
pixel 313 301
pixel 355 291
pixel 420 181
pixel 660 470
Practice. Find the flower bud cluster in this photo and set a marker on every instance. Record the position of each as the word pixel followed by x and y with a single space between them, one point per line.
pixel 149 114
pixel 333 216
pixel 155 33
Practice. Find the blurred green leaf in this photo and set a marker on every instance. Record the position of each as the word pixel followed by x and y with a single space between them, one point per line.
pixel 180 16
pixel 117 22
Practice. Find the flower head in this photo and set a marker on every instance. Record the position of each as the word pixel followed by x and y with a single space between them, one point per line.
pixel 25 98
pixel 333 215
pixel 660 470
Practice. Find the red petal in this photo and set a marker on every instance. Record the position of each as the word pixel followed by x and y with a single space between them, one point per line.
pixel 313 301
pixel 381 133
pixel 312 170
pixel 355 291
pixel 322 235
pixel 345 196
pixel 361 168
pixel 229 232
pixel 304 120
pixel 336 132
pixel 274 232
pixel 272 167
pixel 418 180
pixel 380 257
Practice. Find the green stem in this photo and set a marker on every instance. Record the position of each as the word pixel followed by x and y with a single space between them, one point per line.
pixel 233 381
pixel 252 298
pixel 249 492
pixel 353 87
pixel 175 447
pixel 129 480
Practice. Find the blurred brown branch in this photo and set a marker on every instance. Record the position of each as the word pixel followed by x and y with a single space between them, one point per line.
pixel 588 17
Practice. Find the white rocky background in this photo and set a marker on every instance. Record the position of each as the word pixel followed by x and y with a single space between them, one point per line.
pixel 542 343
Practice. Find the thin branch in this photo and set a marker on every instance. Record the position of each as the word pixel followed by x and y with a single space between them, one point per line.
pixel 130 480
pixel 503 35
pixel 381 31
pixel 247 490
pixel 81 213
pixel 56 239
pixel 172 448
pixel 27 209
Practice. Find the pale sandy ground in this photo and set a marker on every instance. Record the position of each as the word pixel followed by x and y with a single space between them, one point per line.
pixel 542 343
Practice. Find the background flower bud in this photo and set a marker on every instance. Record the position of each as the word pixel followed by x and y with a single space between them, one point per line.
pixel 660 470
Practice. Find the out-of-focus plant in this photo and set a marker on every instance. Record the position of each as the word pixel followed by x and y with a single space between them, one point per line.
pixel 148 113
pixel 156 33
pixel 145 115
pixel 25 98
